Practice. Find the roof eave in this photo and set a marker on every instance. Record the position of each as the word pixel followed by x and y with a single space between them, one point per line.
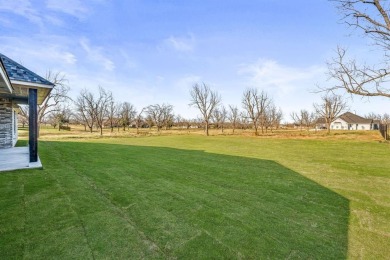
pixel 32 84
pixel 4 75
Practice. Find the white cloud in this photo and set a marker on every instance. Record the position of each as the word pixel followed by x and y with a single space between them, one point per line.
pixel 69 58
pixel 183 84
pixel 22 8
pixel 127 62
pixel 182 44
pixel 291 87
pixel 95 54
pixel 54 20
pixel 42 51
pixel 71 7
pixel 284 79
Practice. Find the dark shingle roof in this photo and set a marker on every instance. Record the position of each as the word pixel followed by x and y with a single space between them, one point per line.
pixel 351 118
pixel 15 71
pixel 321 120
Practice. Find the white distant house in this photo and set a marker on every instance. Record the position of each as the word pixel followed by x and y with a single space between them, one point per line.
pixel 350 121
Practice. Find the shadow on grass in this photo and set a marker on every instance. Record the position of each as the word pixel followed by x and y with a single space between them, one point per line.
pixel 135 201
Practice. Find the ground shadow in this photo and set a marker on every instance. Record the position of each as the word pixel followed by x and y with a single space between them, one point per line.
pixel 186 204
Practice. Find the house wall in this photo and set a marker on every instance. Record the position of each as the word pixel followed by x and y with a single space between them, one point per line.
pixel 340 124
pixel 6 124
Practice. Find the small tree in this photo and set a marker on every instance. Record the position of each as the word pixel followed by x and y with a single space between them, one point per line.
pixel 112 114
pixel 206 101
pixel 161 115
pixel 233 116
pixel 85 107
pixel 219 117
pixel 273 117
pixel 168 116
pixel 304 118
pixel 128 113
pixel 101 105
pixel 330 108
pixel 139 120
pixel 255 105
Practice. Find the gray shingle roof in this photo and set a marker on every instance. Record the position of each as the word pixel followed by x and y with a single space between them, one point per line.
pixel 15 71
pixel 351 118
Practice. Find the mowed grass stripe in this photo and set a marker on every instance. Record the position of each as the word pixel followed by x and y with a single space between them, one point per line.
pixel 109 231
pixel 215 192
pixel 196 197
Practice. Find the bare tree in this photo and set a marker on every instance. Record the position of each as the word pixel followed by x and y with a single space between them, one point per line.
pixel 128 114
pixel 78 118
pixel 273 117
pixel 23 115
pixel 219 117
pixel 59 116
pixel 179 121
pixel 371 18
pixel 255 104
pixel 206 101
pixel 304 118
pixel 297 117
pixel 101 105
pixel 112 114
pixel 139 119
pixel 330 108
pixel 233 116
pixel 149 121
pixel 167 112
pixel 309 119
pixel 85 107
pixel 161 115
pixel 385 118
pixel 57 95
pixel 244 119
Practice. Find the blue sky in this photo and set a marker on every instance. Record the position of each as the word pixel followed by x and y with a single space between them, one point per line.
pixel 149 52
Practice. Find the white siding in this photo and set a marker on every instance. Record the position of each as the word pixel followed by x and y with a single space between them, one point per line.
pixel 340 124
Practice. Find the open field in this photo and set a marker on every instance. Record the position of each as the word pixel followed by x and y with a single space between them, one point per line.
pixel 77 132
pixel 294 195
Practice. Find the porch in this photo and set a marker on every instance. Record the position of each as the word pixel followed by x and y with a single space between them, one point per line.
pixel 19 86
pixel 17 158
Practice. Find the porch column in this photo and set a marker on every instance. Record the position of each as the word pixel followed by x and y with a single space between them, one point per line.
pixel 33 124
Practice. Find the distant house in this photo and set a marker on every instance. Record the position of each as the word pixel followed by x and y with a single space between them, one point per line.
pixel 321 123
pixel 350 121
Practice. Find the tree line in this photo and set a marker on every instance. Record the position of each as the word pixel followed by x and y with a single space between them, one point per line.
pixel 258 110
pixel 100 110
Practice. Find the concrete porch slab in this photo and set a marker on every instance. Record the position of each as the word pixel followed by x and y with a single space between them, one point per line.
pixel 17 158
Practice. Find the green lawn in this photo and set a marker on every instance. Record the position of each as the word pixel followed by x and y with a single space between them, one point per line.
pixel 199 197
